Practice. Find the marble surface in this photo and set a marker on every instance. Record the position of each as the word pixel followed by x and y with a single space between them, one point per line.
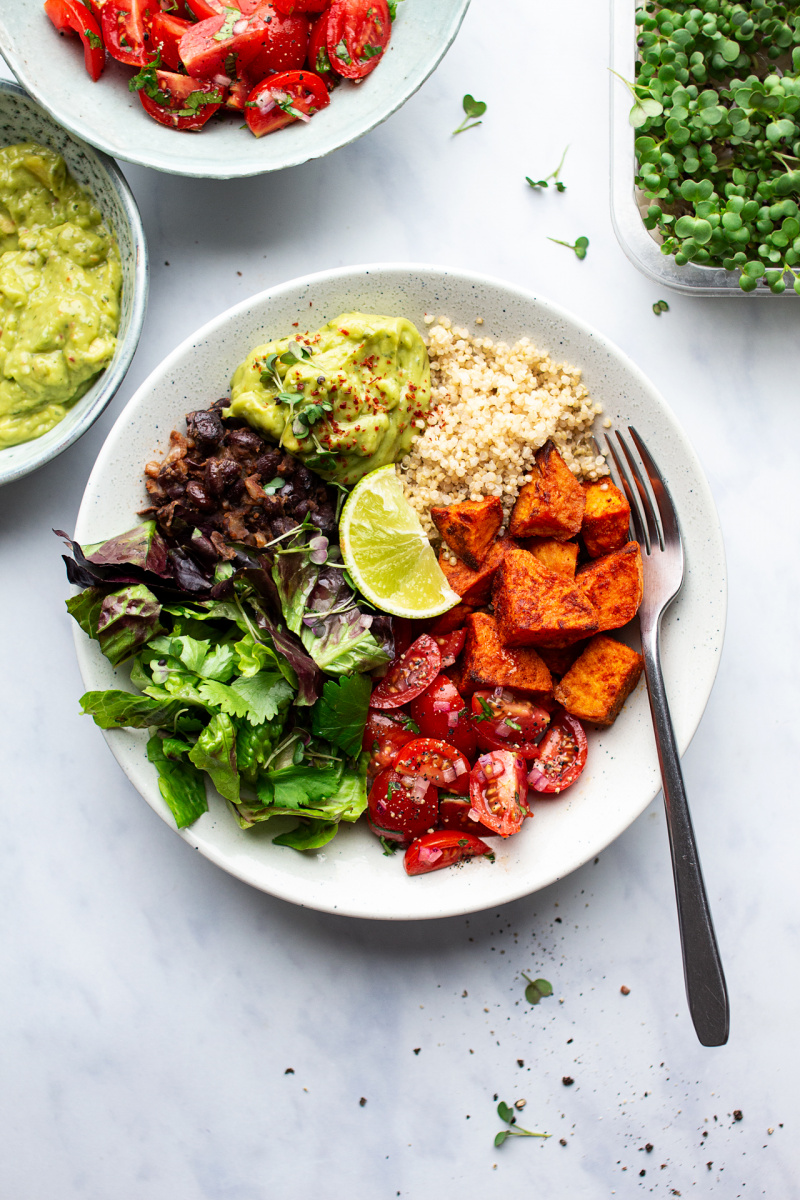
pixel 171 1034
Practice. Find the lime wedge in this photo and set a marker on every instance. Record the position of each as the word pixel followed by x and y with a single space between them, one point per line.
pixel 387 553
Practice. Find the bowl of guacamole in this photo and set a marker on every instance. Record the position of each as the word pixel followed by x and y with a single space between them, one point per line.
pixel 73 284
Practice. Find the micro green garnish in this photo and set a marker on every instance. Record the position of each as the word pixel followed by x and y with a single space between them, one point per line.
pixel 580 245
pixel 644 106
pixel 274 485
pixel 512 724
pixel 536 989
pixel 660 306
pixel 147 81
pixel 393 8
pixel 389 848
pixel 285 103
pixel 271 377
pixel 309 416
pixel 473 109
pixel 408 724
pixel 370 52
pixel 342 53
pixel 225 31
pixel 543 183
pixel 507 1114
pixel 94 41
pixel 195 101
pixel 487 713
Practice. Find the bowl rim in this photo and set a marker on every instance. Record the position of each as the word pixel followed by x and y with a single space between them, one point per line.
pixel 83 131
pixel 111 379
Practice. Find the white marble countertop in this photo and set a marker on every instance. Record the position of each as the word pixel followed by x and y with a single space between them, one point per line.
pixel 171 1034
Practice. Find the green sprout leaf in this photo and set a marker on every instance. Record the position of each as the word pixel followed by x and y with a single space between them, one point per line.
pixel 536 989
pixel 506 1113
pixel 543 183
pixel 660 306
pixel 473 109
pixel 579 246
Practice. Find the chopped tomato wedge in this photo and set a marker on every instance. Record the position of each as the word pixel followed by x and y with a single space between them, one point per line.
pixel 70 16
pixel 166 32
pixel 450 645
pixel 441 712
pixel 203 9
pixel 281 99
pixel 284 44
pixel 438 762
pixel 318 61
pixel 505 721
pixel 300 6
pixel 256 42
pixel 126 29
pixel 400 813
pixel 409 675
pixel 562 755
pixel 498 790
pixel 454 813
pixel 357 36
pixel 384 738
pixel 178 100
pixel 433 851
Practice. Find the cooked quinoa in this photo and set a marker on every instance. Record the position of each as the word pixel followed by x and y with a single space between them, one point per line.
pixel 492 407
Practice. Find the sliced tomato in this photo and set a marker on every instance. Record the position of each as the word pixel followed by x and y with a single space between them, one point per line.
pixel 433 851
pixel 282 99
pixel 450 645
pixel 562 755
pixel 357 36
pixel 438 762
pixel 498 789
pixel 70 16
pixel 454 813
pixel 384 738
pixel 225 43
pixel 300 6
pixel 441 712
pixel 284 46
pixel 318 61
pixel 178 101
pixel 175 8
pixel 505 721
pixel 238 94
pixel 201 10
pixel 409 675
pixel 166 32
pixel 126 29
pixel 400 813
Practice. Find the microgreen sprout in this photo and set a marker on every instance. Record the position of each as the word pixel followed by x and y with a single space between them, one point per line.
pixel 270 376
pixel 580 245
pixel 660 306
pixel 644 106
pixel 507 1114
pixel 543 183
pixel 473 109
pixel 536 989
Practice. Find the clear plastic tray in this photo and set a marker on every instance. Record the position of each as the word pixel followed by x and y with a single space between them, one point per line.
pixel 639 246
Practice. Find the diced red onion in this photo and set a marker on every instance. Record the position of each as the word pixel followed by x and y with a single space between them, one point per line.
pixel 240 26
pixel 221 80
pixel 450 774
pixel 474 815
pixel 429 854
pixel 419 789
pixel 461 767
pixel 502 731
pixel 452 720
pixel 441 706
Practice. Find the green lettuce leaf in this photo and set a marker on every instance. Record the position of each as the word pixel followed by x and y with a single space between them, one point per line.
pixel 85 608
pixel 127 620
pixel 123 710
pixel 181 784
pixel 340 714
pixel 345 803
pixel 296 787
pixel 309 835
pixel 215 752
pixel 254 745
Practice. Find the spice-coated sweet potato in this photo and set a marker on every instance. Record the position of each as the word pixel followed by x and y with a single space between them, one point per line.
pixel 606 518
pixel 448 622
pixel 552 504
pixel 556 556
pixel 475 587
pixel 613 584
pixel 470 527
pixel 487 663
pixel 559 659
pixel 534 606
pixel 597 685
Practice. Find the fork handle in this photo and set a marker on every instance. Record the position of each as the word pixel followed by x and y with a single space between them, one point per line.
pixel 702 966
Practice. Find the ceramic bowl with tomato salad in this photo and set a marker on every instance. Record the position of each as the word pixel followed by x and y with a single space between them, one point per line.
pixel 568 829
pixel 169 127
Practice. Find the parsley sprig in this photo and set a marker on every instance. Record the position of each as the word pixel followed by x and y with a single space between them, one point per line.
pixel 147 81
pixel 507 1114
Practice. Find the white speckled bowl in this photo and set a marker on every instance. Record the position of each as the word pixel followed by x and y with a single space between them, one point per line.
pixel 110 117
pixel 351 875
pixel 22 120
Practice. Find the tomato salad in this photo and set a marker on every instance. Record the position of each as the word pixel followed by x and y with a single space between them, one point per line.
pixel 274 62
pixel 445 774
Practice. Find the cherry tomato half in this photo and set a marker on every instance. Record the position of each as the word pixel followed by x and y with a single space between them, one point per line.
pixel 296 6
pixel 454 814
pixel 450 621
pixel 282 99
pixel 450 645
pixel 384 738
pixel 358 34
pixel 440 712
pixel 433 851
pixel 498 790
pixel 399 813
pixel 438 762
pixel 179 101
pixel 126 29
pixel 70 16
pixel 259 42
pixel 562 755
pixel 409 675
pixel 503 721
pixel 166 32
pixel 318 61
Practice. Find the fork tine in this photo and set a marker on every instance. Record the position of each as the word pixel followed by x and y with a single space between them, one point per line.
pixel 652 525
pixel 639 529
pixel 666 507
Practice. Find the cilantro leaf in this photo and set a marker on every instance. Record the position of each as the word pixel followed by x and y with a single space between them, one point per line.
pixel 94 41
pixel 340 714
pixel 225 31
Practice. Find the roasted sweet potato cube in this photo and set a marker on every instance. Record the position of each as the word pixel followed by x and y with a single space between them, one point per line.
pixel 475 587
pixel 606 518
pixel 613 584
pixel 597 685
pixel 552 504
pixel 487 663
pixel 534 606
pixel 556 556
pixel 469 528
pixel 559 659
pixel 450 621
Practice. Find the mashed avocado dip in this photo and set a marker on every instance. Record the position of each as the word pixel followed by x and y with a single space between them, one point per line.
pixel 344 399
pixel 59 292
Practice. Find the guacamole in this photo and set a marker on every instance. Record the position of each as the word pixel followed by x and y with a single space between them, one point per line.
pixel 60 281
pixel 344 399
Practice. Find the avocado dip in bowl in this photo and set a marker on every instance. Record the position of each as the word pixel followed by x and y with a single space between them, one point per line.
pixel 69 348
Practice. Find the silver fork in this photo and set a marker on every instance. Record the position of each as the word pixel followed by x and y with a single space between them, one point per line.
pixel 662 555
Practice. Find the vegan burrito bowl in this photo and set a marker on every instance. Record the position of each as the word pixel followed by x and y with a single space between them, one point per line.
pixel 293 637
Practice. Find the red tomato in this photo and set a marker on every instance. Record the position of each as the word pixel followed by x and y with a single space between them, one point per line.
pixel 176 8
pixel 259 42
pixel 454 814
pixel 284 46
pixel 404 631
pixel 295 6
pixel 126 29
pixel 443 849
pixel 384 738
pixel 498 790
pixel 70 16
pixel 358 34
pixel 440 712
pixel 166 32
pixel 503 721
pixel 238 93
pixel 562 755
pixel 203 9
pixel 318 61
pixel 450 645
pixel 281 99
pixel 453 619
pixel 438 762
pixel 176 100
pixel 401 813
pixel 409 675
